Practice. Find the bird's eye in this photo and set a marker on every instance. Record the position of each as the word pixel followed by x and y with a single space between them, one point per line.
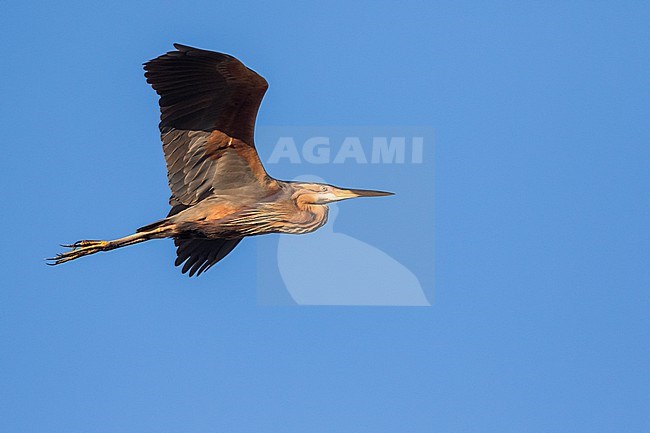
pixel 323 188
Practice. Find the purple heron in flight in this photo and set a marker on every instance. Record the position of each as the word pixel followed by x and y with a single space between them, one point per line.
pixel 220 190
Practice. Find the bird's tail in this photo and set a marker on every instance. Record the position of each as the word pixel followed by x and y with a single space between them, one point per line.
pixel 87 247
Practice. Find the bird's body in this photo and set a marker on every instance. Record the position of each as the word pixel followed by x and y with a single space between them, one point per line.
pixel 232 216
pixel 221 192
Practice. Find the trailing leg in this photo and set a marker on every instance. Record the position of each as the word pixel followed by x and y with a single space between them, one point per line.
pixel 87 247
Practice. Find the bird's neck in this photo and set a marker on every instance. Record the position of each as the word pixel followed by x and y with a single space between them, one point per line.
pixel 312 217
pixel 305 217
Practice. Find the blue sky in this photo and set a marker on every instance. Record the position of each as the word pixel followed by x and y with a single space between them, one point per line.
pixel 540 319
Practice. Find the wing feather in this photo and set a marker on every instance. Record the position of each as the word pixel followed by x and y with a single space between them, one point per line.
pixel 208 106
pixel 201 253
pixel 205 90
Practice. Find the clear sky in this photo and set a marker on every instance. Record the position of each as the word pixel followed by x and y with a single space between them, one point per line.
pixel 539 321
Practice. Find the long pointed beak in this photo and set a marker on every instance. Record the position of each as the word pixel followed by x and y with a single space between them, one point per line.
pixel 343 194
pixel 368 193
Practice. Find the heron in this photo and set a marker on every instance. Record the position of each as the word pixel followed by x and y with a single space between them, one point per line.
pixel 220 191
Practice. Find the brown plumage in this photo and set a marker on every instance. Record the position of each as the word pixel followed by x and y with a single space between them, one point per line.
pixel 220 192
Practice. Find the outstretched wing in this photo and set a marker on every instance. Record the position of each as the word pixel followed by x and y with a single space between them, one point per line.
pixel 203 90
pixel 208 106
pixel 199 255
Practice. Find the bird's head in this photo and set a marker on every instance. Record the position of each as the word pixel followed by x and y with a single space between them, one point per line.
pixel 321 193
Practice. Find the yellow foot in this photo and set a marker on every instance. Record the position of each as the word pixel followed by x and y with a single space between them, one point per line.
pixel 84 243
pixel 79 249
